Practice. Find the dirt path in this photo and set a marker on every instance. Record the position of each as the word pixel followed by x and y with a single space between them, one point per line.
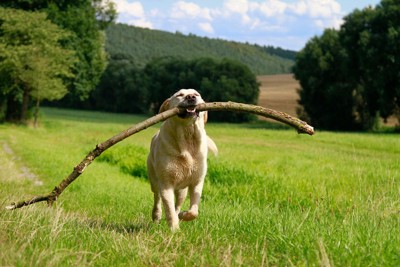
pixel 11 167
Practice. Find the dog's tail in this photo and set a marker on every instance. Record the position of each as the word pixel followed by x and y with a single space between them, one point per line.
pixel 212 146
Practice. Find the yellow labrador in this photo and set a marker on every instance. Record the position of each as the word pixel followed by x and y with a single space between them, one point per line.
pixel 178 159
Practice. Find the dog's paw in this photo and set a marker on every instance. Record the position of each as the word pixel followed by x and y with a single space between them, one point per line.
pixel 187 215
pixel 175 229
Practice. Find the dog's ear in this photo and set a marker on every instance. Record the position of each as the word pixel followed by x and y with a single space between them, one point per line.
pixel 205 116
pixel 164 106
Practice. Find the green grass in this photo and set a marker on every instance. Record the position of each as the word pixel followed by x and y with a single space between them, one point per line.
pixel 271 198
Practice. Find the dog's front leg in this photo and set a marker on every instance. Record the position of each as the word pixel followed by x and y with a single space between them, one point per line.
pixel 195 195
pixel 167 196
pixel 180 195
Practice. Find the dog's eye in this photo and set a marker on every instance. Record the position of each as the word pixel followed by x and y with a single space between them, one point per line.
pixel 180 95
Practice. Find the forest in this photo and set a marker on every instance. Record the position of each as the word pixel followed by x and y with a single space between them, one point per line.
pixel 141 45
pixel 350 77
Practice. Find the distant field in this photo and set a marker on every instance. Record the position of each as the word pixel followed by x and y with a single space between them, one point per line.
pixel 279 92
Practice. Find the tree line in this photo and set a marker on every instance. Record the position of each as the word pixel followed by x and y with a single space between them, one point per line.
pixel 129 89
pixel 350 78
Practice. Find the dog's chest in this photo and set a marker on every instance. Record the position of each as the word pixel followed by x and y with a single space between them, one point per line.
pixel 187 167
pixel 186 155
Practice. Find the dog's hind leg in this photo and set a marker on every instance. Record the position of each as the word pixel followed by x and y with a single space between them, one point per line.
pixel 180 196
pixel 157 210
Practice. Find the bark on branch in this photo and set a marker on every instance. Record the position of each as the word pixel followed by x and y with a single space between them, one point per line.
pixel 301 126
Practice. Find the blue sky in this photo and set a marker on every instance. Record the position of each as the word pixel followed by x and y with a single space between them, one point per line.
pixel 285 23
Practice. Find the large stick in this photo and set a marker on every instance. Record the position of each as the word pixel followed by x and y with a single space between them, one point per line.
pixel 301 126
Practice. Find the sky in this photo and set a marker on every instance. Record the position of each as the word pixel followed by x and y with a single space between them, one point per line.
pixel 288 24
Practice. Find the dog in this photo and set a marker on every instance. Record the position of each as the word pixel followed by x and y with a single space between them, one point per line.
pixel 177 162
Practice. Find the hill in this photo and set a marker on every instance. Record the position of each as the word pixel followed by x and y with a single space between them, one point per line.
pixel 142 45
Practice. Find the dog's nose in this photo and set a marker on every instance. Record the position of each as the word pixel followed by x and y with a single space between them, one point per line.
pixel 190 97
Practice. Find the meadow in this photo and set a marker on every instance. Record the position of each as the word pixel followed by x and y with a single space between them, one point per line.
pixel 271 198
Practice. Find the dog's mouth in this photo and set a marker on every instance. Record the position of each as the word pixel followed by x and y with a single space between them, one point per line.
pixel 190 112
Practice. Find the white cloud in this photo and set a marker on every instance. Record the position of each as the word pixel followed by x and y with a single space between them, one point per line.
pixel 141 23
pixel 313 9
pixel 337 23
pixel 323 8
pixel 299 8
pixel 246 19
pixel 319 13
pixel 324 13
pixel 236 6
pixel 206 27
pixel 134 9
pixel 187 10
pixel 133 13
pixel 233 8
pixel 330 23
pixel 270 8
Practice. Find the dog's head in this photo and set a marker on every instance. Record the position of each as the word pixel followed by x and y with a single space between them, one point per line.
pixel 188 99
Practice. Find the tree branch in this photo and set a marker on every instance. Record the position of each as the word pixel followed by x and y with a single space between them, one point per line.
pixel 301 126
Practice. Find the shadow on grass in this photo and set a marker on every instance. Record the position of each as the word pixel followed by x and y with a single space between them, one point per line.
pixel 92 116
pixel 122 228
pixel 263 124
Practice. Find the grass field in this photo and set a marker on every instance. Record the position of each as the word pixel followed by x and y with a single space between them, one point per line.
pixel 271 198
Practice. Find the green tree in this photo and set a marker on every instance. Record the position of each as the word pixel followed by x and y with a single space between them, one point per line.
pixel 372 38
pixel 227 80
pixel 120 89
pixel 351 77
pixel 356 39
pixel 33 64
pixel 85 19
pixel 163 77
pixel 325 96
pixel 389 21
